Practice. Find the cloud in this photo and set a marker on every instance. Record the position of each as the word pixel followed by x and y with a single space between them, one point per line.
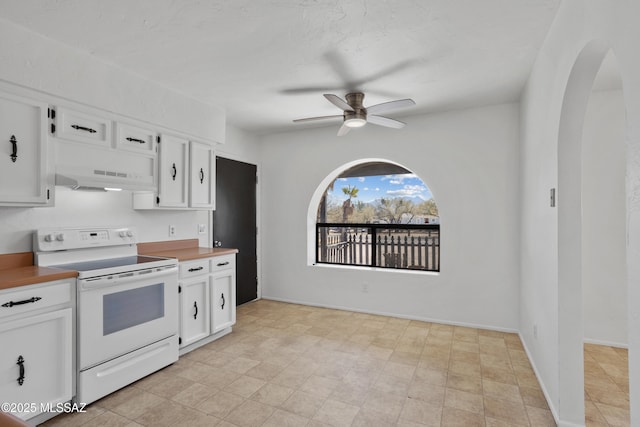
pixel 361 179
pixel 399 179
pixel 365 189
pixel 377 188
pixel 408 190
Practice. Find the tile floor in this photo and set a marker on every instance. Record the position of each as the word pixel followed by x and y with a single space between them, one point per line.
pixel 294 365
pixel 606 384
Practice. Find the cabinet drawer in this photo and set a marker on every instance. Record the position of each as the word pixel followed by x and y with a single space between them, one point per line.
pixel 81 127
pixel 194 268
pixel 134 138
pixel 34 297
pixel 223 262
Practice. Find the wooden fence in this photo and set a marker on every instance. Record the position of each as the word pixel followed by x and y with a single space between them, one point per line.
pixel 415 248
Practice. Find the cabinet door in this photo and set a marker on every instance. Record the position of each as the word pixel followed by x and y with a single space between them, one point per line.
pixel 134 138
pixel 83 127
pixel 172 173
pixel 223 300
pixel 194 310
pixel 202 179
pixel 36 360
pixel 23 151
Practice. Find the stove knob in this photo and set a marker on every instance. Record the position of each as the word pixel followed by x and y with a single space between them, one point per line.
pixel 129 233
pixel 122 234
pixel 49 238
pixel 60 237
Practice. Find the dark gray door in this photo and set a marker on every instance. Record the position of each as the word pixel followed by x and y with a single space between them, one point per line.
pixel 234 221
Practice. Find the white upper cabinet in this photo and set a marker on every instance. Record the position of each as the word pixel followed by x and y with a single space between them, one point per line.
pixel 134 138
pixel 89 153
pixel 202 180
pixel 24 178
pixel 172 174
pixel 83 127
pixel 186 176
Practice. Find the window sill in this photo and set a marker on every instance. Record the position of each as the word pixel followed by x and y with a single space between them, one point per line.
pixel 377 269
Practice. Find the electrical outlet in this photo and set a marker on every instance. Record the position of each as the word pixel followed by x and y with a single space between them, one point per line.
pixel 202 228
pixel 172 231
pixel 535 330
pixel 365 287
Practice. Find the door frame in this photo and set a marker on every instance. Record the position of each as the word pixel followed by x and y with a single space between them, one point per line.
pixel 240 158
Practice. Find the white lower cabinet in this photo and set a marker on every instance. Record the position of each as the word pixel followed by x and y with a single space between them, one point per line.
pixel 36 361
pixel 195 311
pixel 223 299
pixel 207 299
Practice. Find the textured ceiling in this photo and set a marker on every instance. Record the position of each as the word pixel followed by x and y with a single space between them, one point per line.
pixel 269 61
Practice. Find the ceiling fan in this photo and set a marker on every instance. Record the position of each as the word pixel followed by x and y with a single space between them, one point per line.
pixel 355 115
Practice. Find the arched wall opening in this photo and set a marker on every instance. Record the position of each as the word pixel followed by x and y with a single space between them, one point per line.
pixel 575 247
pixel 403 207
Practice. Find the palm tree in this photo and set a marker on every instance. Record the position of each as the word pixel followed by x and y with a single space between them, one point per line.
pixel 347 207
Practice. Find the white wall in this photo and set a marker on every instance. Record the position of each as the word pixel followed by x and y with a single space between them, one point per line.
pixel 241 145
pixel 577 23
pixel 90 209
pixel 604 268
pixel 467 158
pixel 38 63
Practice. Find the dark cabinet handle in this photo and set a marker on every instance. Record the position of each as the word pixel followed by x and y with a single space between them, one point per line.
pixel 222 306
pixel 195 305
pixel 191 270
pixel 86 129
pixel 221 264
pixel 174 171
pixel 201 176
pixel 21 365
pixel 14 151
pixel 26 301
pixel 136 140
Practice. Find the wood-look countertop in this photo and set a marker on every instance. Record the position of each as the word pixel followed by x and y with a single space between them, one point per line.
pixel 182 250
pixel 18 270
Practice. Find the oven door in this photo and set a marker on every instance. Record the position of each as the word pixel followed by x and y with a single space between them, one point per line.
pixel 120 313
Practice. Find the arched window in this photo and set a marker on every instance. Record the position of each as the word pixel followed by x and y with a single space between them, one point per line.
pixel 378 214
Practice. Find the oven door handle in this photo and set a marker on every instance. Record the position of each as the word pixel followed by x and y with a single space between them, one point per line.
pixel 125 277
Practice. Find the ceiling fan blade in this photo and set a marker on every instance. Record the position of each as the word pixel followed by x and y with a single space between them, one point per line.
pixel 385 121
pixel 313 119
pixel 391 105
pixel 338 102
pixel 309 89
pixel 383 73
pixel 344 129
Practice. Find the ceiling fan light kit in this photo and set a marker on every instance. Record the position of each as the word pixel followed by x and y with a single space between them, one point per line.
pixel 354 122
pixel 355 115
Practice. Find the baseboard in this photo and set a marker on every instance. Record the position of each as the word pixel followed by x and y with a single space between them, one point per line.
pixel 568 424
pixel 552 407
pixel 607 343
pixel 401 316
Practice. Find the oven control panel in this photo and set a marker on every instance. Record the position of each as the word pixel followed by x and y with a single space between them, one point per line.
pixel 57 239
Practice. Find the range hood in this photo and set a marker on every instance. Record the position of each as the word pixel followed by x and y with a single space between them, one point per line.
pixel 85 167
pixel 87 183
pixel 101 182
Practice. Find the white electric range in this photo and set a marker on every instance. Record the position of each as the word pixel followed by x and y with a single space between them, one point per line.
pixel 127 305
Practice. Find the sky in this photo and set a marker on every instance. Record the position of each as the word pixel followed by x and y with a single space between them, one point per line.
pixel 371 188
